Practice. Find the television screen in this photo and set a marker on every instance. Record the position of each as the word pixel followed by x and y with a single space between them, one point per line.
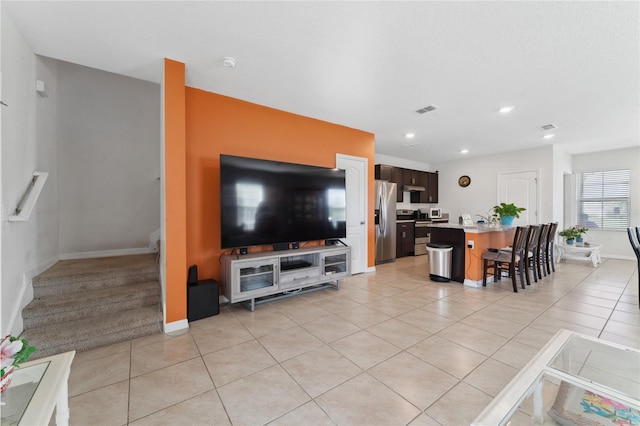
pixel 267 202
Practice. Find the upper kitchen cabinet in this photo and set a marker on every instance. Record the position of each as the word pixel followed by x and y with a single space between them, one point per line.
pixel 421 180
pixel 412 177
pixel 433 188
pixel 383 172
pixel 391 174
pixel 416 178
pixel 429 181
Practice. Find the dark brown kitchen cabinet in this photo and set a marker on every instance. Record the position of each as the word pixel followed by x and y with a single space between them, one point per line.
pixel 383 172
pixel 402 177
pixel 404 239
pixel 422 179
pixel 410 177
pixel 433 188
pixel 397 177
pixel 391 174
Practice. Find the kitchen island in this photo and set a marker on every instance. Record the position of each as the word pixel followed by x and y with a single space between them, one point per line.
pixel 466 262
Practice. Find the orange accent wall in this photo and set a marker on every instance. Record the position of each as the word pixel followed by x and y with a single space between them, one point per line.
pixel 175 186
pixel 218 124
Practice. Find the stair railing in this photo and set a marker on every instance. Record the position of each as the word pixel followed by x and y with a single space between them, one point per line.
pixel 30 197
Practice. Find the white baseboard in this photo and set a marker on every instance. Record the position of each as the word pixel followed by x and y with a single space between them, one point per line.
pixel 370 269
pixel 176 326
pixel 25 296
pixel 153 240
pixel 474 283
pixel 106 253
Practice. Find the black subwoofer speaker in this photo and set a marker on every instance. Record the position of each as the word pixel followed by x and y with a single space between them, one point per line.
pixel 202 296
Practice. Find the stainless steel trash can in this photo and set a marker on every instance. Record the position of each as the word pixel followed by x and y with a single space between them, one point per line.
pixel 439 261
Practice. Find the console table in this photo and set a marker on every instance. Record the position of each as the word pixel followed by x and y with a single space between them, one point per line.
pixel 37 387
pixel 260 277
pixel 574 252
pixel 574 379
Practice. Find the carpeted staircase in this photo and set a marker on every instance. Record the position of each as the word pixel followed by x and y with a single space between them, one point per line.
pixel 88 303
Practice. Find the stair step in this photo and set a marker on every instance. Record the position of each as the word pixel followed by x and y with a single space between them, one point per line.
pixel 94 332
pixel 83 304
pixel 70 276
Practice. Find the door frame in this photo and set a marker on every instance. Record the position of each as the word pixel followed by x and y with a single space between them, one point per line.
pixel 364 238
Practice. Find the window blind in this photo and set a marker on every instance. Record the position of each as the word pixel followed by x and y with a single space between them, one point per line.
pixel 603 199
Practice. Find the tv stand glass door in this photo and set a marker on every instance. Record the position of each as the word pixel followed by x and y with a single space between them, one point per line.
pixel 256 278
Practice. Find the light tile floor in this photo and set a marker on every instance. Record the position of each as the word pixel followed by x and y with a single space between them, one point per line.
pixel 388 348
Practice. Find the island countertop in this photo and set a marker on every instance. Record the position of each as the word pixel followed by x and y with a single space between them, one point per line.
pixel 474 229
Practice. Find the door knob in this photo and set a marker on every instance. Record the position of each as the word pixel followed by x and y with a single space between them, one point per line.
pixel 362 222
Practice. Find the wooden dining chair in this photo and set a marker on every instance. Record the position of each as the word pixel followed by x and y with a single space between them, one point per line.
pixel 533 239
pixel 542 247
pixel 549 257
pixel 634 238
pixel 527 254
pixel 507 260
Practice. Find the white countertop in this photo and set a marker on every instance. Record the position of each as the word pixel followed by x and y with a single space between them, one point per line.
pixel 474 229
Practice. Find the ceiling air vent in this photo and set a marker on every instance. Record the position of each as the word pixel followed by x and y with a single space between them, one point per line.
pixel 427 109
pixel 548 127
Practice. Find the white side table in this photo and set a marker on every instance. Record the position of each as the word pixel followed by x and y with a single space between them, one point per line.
pixel 37 387
pixel 573 252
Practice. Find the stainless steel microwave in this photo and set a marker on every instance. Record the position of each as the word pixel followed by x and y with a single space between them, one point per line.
pixel 435 213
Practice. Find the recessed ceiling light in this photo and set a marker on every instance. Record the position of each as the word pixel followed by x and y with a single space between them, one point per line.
pixel 506 109
pixel 549 136
pixel 464 151
pixel 409 135
pixel 228 61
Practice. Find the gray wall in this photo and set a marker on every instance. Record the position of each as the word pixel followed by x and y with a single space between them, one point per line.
pixel 98 136
pixel 28 145
pixel 109 160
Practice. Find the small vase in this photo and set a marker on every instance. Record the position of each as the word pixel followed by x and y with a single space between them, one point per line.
pixel 6 379
pixel 507 220
pixel 570 241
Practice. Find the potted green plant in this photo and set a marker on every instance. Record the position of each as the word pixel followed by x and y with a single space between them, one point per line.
pixel 507 212
pixel 573 233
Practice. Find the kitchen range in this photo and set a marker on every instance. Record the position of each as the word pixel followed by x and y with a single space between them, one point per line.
pixel 413 230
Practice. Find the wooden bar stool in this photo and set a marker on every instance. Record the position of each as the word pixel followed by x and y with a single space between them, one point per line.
pixel 549 257
pixel 496 260
pixel 542 249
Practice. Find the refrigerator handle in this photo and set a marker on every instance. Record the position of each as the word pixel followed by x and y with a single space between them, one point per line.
pixel 383 216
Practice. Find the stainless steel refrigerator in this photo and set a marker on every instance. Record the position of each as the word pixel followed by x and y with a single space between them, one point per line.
pixel 385 220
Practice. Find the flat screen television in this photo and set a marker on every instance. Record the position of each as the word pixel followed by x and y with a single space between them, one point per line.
pixel 266 202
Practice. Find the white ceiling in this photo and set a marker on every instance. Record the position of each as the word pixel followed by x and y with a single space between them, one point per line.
pixel 371 65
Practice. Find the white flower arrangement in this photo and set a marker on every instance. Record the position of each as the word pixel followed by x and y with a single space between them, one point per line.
pixel 13 352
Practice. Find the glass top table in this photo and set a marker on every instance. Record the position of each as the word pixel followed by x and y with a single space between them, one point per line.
pixel 574 379
pixel 36 388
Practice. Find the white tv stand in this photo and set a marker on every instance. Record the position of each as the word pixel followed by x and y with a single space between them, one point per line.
pixel 265 276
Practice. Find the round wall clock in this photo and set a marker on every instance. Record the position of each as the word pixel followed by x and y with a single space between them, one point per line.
pixel 464 181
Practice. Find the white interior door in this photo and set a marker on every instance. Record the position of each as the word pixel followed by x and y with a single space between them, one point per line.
pixel 520 189
pixel 356 187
